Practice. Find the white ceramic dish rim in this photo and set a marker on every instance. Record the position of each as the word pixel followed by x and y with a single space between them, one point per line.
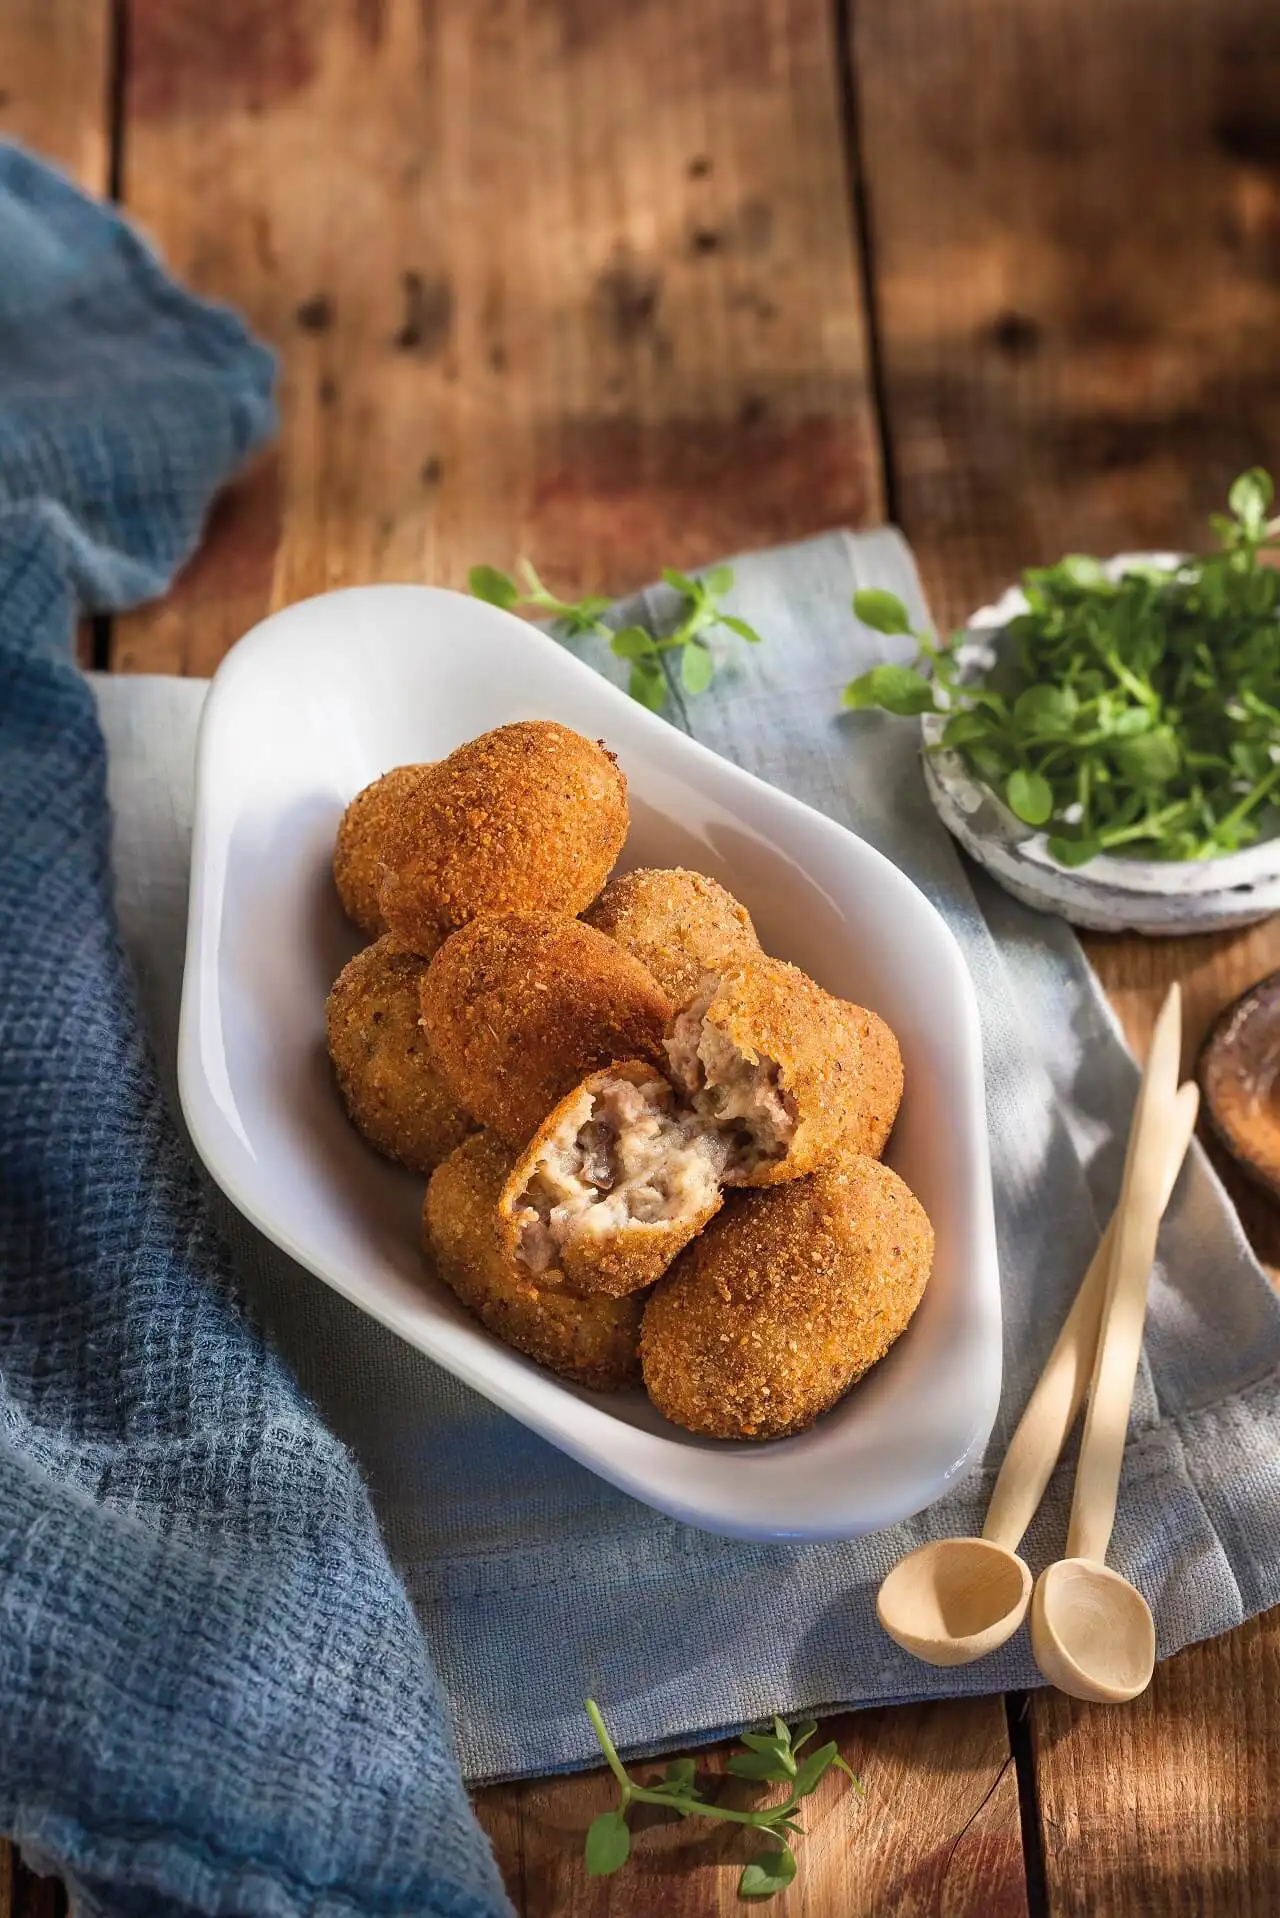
pixel 652 1470
pixel 1181 878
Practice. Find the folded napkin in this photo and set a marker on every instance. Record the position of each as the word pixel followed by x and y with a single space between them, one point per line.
pixel 214 1694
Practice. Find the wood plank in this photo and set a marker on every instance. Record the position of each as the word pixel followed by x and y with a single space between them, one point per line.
pixel 1172 1804
pixel 573 281
pixel 1078 293
pixel 937 1833
pixel 54 83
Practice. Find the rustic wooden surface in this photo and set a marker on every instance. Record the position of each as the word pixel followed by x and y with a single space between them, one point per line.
pixel 642 281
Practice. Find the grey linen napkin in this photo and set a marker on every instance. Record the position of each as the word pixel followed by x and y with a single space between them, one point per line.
pixel 537 1583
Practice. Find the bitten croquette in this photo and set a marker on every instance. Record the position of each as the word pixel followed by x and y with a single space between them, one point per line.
pixel 789 1073
pixel 366 836
pixel 527 818
pixel 519 1007
pixel 613 1184
pixel 392 1091
pixel 679 924
pixel 785 1300
pixel 590 1341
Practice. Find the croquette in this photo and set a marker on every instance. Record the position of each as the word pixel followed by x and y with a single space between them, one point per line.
pixel 525 819
pixel 391 1089
pixel 679 924
pixel 789 1073
pixel 785 1300
pixel 613 1184
pixel 365 838
pixel 590 1341
pixel 520 1007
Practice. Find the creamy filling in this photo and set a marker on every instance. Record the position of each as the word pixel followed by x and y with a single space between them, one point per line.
pixel 741 1098
pixel 625 1156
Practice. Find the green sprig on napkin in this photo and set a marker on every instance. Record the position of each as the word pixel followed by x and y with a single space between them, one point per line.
pixel 700 614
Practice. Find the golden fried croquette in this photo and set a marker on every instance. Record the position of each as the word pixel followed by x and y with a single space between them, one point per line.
pixel 520 1006
pixel 785 1300
pixel 880 1067
pixel 680 924
pixel 613 1184
pixel 525 819
pixel 591 1341
pixel 788 1073
pixel 391 1089
pixel 365 837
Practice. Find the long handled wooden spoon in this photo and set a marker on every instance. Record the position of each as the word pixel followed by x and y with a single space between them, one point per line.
pixel 1091 1630
pixel 956 1599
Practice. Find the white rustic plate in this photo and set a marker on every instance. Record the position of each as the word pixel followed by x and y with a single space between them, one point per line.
pixel 314 703
pixel 1159 897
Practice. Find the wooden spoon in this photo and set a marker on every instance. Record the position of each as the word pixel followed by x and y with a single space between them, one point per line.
pixel 956 1599
pixel 1091 1630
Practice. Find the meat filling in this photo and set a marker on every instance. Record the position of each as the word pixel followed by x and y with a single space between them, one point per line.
pixel 623 1157
pixel 741 1098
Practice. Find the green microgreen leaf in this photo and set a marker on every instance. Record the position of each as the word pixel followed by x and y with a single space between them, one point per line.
pixel 741 628
pixel 697 668
pixel 768 1765
pixel 486 582
pixel 1073 852
pixel 633 643
pixel 718 580
pixel 897 689
pixel 1030 796
pixel 681 582
pixel 681 1773
pixel 608 1844
pixel 648 686
pixel 768 1874
pixel 814 1767
pixel 882 612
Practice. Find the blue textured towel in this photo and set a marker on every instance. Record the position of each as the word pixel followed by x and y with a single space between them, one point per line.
pixel 214 1694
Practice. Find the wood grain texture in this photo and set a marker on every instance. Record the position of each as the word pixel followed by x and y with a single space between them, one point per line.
pixel 937 1833
pixel 1075 211
pixel 546 277
pixel 1171 1804
pixel 54 82
pixel 1075 218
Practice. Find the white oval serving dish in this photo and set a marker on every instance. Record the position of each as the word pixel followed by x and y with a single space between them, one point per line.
pixel 321 698
pixel 1153 896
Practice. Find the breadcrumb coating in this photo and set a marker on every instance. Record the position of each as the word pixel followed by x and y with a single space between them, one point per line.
pixel 364 844
pixel 520 1006
pixel 593 1342
pixel 529 817
pixel 785 1300
pixel 391 1089
pixel 679 924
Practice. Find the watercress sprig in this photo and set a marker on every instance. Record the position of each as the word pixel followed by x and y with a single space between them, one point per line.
pixel 769 1758
pixel 1130 715
pixel 700 613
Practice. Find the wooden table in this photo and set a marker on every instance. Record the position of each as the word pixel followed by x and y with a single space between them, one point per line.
pixel 618 283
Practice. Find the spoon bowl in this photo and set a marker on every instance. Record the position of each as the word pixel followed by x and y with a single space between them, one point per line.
pixel 954 1599
pixel 1092 1632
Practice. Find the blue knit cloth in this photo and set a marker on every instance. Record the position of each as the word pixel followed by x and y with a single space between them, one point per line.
pixel 214 1694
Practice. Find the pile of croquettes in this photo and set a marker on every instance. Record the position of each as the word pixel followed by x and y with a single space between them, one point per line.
pixel 653 1150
